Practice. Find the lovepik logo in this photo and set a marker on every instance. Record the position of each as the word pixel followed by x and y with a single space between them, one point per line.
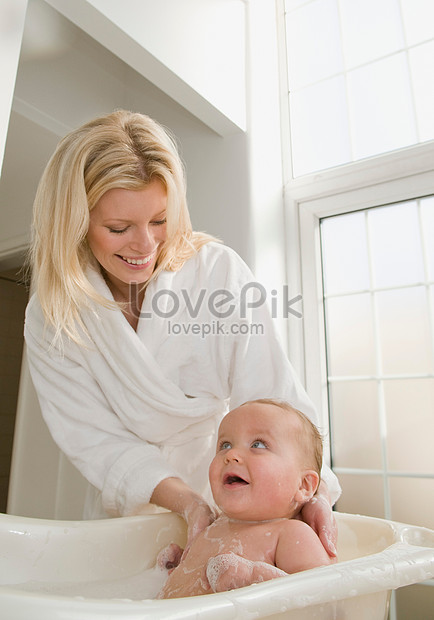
pixel 219 303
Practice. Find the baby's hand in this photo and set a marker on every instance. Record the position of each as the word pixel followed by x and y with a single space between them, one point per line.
pixel 169 557
pixel 229 571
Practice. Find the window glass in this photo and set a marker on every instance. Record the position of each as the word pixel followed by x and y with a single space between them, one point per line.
pixel 384 32
pixel 345 251
pixel 320 111
pixel 380 357
pixel 356 428
pixel 313 40
pixel 417 19
pixel 380 107
pixel 410 423
pixel 350 335
pixel 361 494
pixel 412 501
pixel 428 236
pixel 396 245
pixel 404 331
pixel 359 79
pixel 421 61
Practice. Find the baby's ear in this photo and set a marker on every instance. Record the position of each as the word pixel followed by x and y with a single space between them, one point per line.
pixel 308 486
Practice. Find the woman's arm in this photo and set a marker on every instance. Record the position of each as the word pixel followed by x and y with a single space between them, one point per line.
pixel 122 466
pixel 177 496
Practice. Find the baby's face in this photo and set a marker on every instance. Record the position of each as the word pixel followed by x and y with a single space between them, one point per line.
pixel 257 472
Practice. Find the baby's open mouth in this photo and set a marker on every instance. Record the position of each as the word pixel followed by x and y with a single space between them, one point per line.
pixel 233 479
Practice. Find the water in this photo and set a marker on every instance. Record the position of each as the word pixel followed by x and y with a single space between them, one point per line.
pixel 144 585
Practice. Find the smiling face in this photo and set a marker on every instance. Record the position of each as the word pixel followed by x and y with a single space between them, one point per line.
pixel 126 231
pixel 258 472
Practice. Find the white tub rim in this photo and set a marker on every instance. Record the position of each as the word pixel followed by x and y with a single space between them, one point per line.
pixel 399 564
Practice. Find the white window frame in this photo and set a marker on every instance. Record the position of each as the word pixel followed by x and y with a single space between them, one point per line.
pixel 393 177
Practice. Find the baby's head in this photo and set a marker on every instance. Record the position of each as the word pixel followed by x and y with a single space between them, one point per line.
pixel 267 463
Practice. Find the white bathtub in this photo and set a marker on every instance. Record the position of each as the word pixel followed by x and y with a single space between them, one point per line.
pixel 56 559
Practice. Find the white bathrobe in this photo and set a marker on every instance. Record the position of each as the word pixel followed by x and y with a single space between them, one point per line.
pixel 133 408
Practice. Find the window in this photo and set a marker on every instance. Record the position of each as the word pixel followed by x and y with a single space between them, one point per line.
pixel 359 199
pixel 378 270
pixel 360 78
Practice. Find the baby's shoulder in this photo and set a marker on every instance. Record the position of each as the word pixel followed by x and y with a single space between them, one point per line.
pixel 296 529
pixel 299 548
pixel 293 524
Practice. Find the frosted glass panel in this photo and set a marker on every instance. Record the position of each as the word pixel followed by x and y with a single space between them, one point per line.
pixel 382 53
pixel 404 331
pixel 351 348
pixel 371 29
pixel 412 501
pixel 345 252
pixel 421 60
pixel 410 423
pixel 319 134
pixel 361 495
pixel 293 4
pixel 381 108
pixel 356 440
pixel 313 43
pixel 427 206
pixel 415 602
pixel 396 245
pixel 418 16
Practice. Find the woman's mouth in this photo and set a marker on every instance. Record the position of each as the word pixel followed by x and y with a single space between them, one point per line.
pixel 137 261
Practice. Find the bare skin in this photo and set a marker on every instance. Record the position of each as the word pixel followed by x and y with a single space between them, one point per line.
pixel 216 559
pixel 260 478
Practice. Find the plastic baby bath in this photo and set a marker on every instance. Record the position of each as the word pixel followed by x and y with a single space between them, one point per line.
pixel 83 570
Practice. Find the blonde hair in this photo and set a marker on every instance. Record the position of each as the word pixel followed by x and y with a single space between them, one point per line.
pixel 310 438
pixel 120 150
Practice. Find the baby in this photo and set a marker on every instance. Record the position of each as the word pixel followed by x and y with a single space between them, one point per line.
pixel 267 465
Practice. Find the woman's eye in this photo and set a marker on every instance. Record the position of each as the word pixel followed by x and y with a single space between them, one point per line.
pixel 225 445
pixel 118 231
pixel 159 222
pixel 258 444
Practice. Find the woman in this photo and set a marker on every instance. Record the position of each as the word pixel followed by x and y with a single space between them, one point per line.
pixel 140 333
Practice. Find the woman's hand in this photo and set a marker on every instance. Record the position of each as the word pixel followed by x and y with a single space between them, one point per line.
pixel 175 495
pixel 198 515
pixel 319 515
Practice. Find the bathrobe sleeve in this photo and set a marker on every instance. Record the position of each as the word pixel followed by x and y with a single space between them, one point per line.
pixel 124 467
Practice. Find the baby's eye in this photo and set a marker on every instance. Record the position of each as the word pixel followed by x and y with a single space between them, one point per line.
pixel 225 445
pixel 258 444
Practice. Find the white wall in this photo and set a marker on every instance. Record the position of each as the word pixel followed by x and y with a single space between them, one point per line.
pixel 12 15
pixel 265 153
pixel 193 50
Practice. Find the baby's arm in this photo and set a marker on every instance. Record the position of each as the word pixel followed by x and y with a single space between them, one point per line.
pixel 228 571
pixel 299 548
